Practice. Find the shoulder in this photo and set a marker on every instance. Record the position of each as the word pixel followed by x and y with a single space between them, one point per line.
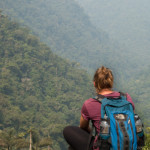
pixel 90 109
pixel 130 100
pixel 89 101
pixel 90 104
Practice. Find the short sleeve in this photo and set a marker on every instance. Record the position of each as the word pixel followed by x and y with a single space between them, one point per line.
pixel 84 112
pixel 129 99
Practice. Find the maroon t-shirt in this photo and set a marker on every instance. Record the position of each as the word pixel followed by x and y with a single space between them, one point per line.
pixel 91 109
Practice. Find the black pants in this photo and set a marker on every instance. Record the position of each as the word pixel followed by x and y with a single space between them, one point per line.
pixel 76 137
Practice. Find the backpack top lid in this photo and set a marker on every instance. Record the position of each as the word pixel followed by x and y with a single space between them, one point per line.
pixel 111 104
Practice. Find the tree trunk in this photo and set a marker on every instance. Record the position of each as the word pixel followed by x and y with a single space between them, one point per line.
pixel 48 147
pixel 30 140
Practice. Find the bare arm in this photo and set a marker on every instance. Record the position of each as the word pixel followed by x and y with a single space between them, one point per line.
pixel 84 124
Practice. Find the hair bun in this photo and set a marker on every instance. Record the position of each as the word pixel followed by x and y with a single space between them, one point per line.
pixel 103 78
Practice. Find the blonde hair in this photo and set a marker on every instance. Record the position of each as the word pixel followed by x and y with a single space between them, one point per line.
pixel 103 79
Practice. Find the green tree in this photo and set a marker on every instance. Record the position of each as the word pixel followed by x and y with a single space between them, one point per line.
pixel 8 139
pixel 147 137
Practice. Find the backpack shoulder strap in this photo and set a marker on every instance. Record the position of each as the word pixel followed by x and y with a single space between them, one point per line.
pixel 99 98
pixel 123 94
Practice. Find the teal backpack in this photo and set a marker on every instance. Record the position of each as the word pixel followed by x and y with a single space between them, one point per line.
pixel 118 126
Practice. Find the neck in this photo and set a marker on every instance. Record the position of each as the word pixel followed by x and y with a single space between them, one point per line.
pixel 105 91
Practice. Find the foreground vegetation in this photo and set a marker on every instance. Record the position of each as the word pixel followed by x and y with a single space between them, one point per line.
pixel 25 140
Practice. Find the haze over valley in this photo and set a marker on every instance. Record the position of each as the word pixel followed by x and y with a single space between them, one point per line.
pixel 49 51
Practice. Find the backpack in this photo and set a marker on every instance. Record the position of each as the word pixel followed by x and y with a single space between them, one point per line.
pixel 118 129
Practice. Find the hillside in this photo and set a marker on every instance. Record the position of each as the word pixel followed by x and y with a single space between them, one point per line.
pixel 126 21
pixel 38 89
pixel 64 26
pixel 140 87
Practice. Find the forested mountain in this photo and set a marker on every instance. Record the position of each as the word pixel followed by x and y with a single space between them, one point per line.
pixel 139 87
pixel 38 89
pixel 126 21
pixel 64 26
